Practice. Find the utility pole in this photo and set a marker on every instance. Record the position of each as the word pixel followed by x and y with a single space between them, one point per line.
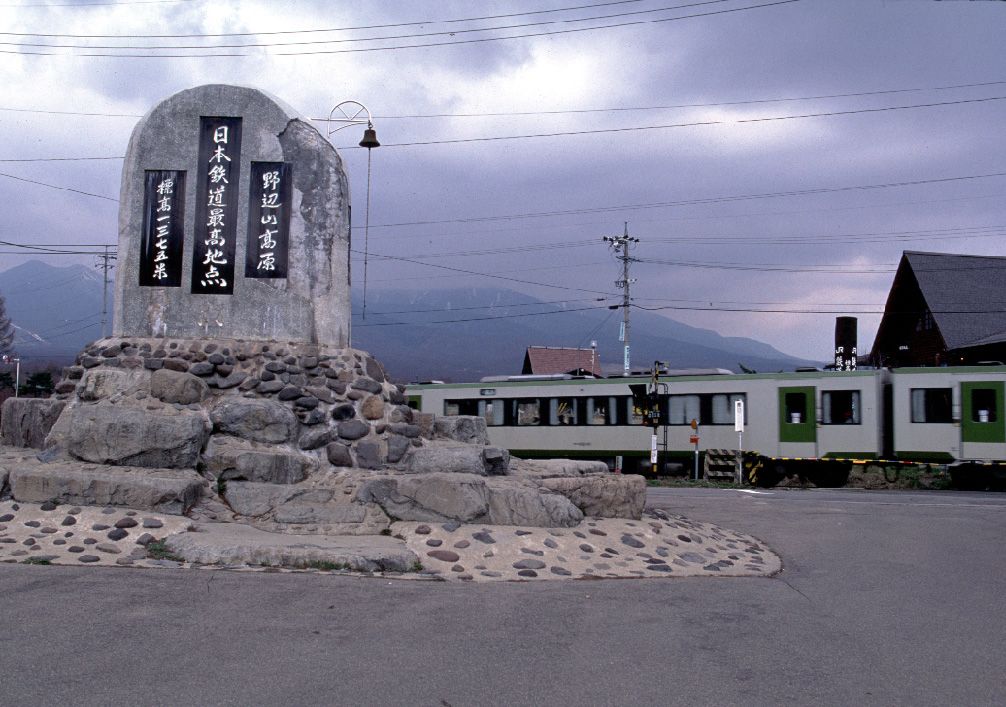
pixel 105 266
pixel 622 242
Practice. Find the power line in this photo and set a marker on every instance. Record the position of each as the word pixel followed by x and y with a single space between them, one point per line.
pixel 693 202
pixel 395 47
pixel 700 123
pixel 415 35
pixel 489 306
pixel 483 319
pixel 622 109
pixel 55 186
pixel 490 275
pixel 327 29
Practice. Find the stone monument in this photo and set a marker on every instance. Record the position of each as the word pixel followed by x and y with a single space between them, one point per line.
pixel 228 390
pixel 233 223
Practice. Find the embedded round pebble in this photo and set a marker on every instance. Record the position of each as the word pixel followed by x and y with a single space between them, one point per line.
pixel 423 530
pixel 444 555
pixel 483 537
pixel 126 523
pixel 461 544
pixel 520 533
pixel 151 523
pixel 48 506
pixel 586 548
pixel 527 573
pixel 89 558
pixel 116 534
pixel 100 526
pixel 6 517
pixel 69 520
pixel 434 542
pixel 528 564
pixel 90 541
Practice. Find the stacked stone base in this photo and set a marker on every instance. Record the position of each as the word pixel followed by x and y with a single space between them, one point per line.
pixel 288 437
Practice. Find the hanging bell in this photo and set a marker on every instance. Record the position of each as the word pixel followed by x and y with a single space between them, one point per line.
pixel 369 139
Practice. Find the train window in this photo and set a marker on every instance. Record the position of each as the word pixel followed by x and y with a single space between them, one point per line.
pixel 492 411
pixel 528 412
pixel 635 412
pixel 796 408
pixel 932 404
pixel 682 409
pixel 562 411
pixel 983 405
pixel 461 407
pixel 597 411
pixel 840 407
pixel 722 408
pixel 708 408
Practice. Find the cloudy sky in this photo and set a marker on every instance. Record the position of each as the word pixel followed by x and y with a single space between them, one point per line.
pixel 773 158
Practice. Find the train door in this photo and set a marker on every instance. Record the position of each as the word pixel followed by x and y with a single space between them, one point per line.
pixel 983 425
pixel 798 421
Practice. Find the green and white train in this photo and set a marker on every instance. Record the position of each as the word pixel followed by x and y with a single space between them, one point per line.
pixel 812 423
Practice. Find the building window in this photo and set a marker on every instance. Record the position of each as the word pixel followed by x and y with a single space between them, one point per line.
pixel 983 405
pixel 796 408
pixel 840 407
pixel 932 405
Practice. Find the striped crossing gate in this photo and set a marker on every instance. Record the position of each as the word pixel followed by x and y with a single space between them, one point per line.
pixel 720 463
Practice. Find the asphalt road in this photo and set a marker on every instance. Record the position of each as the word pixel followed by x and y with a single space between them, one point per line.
pixel 886 598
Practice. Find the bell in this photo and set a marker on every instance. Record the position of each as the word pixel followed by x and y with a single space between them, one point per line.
pixel 369 139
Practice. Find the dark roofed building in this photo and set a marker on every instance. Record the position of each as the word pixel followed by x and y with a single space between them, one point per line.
pixel 944 309
pixel 547 360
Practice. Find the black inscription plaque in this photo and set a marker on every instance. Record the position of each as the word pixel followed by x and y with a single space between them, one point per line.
pixel 163 228
pixel 216 206
pixel 268 220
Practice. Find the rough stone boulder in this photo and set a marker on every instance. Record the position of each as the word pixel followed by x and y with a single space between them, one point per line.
pixel 177 387
pixel 130 436
pixel 546 468
pixel 610 496
pixel 431 497
pixel 25 422
pixel 256 420
pixel 103 383
pixel 467 429
pixel 331 508
pixel 171 491
pixel 512 503
pixel 467 498
pixel 230 458
pixel 458 459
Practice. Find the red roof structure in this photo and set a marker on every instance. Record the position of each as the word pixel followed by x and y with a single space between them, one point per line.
pixel 548 360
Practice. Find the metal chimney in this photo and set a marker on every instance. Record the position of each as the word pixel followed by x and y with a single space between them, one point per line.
pixel 845 343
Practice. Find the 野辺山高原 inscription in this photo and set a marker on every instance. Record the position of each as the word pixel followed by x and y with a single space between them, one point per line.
pixel 268 220
pixel 216 212
pixel 163 228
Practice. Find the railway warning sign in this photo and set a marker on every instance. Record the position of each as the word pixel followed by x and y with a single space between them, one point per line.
pixel 738 416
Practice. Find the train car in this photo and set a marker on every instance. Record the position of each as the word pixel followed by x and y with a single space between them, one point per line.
pixel 952 415
pixel 811 423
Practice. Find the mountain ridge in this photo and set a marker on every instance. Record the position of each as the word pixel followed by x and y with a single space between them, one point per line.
pixel 456 334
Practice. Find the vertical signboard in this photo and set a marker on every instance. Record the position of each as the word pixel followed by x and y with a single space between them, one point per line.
pixel 216 206
pixel 163 228
pixel 268 220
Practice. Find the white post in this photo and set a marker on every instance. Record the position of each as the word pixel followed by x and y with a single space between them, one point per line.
pixel 17 375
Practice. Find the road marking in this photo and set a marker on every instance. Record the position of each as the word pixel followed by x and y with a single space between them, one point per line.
pixel 756 493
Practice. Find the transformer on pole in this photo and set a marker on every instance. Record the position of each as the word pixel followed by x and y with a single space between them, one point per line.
pixel 622 243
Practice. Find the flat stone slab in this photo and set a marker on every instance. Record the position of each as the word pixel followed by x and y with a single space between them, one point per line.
pixel 659 545
pixel 171 491
pixel 234 543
